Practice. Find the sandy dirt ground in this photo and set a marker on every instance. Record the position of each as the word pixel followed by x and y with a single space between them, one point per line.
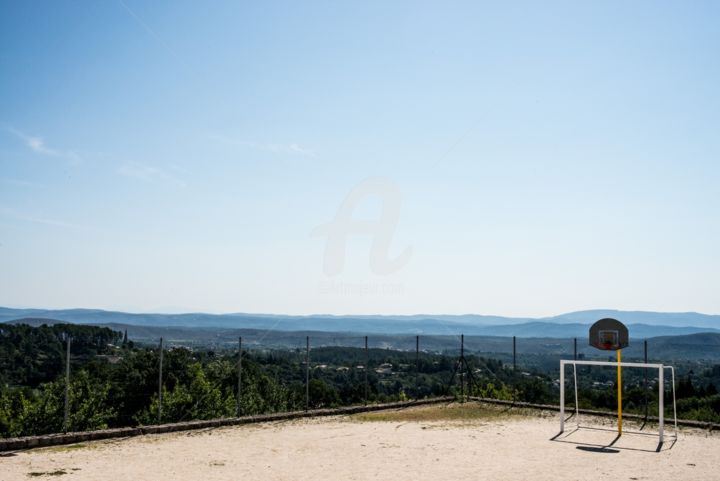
pixel 515 447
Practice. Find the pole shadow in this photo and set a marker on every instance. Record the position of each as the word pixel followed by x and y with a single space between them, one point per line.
pixel 609 448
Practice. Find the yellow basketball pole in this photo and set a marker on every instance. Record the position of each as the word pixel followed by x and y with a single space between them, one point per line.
pixel 619 388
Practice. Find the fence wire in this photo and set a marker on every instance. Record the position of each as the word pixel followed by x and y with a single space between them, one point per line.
pixel 117 382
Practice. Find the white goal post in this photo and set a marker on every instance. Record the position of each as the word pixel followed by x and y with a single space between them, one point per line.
pixel 661 387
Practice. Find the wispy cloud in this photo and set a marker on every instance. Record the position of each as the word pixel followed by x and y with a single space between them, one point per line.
pixel 149 30
pixel 293 149
pixel 148 173
pixel 37 144
pixel 19 182
pixel 17 215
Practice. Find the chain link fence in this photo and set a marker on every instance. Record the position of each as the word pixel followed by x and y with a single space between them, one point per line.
pixel 110 381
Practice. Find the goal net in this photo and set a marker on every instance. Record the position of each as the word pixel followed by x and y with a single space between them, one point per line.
pixel 661 388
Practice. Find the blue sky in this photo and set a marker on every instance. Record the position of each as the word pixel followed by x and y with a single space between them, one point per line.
pixel 532 157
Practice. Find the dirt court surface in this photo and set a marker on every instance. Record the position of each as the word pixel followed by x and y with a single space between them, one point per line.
pixel 468 442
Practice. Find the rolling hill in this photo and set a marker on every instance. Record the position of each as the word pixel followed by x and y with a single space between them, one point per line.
pixel 535 337
pixel 641 324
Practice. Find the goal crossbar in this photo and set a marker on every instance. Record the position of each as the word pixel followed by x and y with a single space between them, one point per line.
pixel 661 387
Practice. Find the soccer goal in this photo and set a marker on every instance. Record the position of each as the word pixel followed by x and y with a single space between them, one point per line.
pixel 661 388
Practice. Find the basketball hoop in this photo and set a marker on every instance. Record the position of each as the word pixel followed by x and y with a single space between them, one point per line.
pixel 609 335
pixel 612 335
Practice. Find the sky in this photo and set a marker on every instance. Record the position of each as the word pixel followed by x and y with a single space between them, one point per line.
pixel 507 158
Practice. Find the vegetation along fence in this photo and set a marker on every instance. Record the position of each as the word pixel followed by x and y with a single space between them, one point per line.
pixel 66 377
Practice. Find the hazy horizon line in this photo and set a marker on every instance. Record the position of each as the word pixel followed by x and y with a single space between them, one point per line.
pixel 180 311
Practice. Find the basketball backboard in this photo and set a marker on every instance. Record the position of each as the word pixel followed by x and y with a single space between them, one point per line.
pixel 609 335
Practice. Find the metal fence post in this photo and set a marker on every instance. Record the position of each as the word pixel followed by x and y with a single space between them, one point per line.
pixel 307 373
pixel 367 362
pixel 239 393
pixel 645 380
pixel 417 366
pixel 661 402
pixel 462 367
pixel 562 395
pixel 160 370
pixel 66 418
pixel 575 349
pixel 515 380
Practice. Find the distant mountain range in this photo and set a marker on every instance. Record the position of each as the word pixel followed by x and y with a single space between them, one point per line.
pixel 642 324
pixel 687 347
